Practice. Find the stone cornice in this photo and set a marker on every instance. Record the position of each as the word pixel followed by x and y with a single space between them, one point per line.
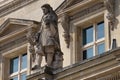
pixel 14 5
pixel 21 22
pixel 107 63
pixel 88 10
pixel 66 4
pixel 18 22
pixel 71 6
pixel 13 44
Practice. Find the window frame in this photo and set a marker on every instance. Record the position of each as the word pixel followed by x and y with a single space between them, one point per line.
pixel 95 40
pixel 20 70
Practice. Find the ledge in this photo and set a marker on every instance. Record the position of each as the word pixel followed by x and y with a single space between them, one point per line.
pixel 102 64
pixel 17 22
pixel 90 69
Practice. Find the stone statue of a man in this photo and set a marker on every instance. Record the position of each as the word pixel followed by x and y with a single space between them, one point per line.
pixel 47 40
pixel 49 37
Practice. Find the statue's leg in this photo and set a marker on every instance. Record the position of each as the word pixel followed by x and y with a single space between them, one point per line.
pixel 49 54
pixel 34 57
pixel 50 59
pixel 37 62
pixel 32 61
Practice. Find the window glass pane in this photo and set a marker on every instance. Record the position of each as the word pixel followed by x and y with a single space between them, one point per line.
pixel 100 30
pixel 87 35
pixel 23 77
pixel 101 48
pixel 15 78
pixel 24 61
pixel 88 53
pixel 14 65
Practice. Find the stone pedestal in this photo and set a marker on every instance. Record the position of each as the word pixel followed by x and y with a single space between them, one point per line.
pixel 46 73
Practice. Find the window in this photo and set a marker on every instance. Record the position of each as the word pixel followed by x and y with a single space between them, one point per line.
pixel 101 48
pixel 88 53
pixel 93 40
pixel 18 67
pixel 14 65
pixel 23 76
pixel 88 35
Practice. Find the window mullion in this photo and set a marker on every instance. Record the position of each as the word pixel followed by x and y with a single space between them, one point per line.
pixel 94 39
pixel 20 60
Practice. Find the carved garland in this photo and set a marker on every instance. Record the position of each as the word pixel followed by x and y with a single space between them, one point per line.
pixel 110 6
pixel 64 20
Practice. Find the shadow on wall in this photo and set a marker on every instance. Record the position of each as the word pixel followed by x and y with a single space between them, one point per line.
pixel 117 8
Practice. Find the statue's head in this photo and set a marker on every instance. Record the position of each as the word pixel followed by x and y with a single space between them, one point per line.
pixel 46 8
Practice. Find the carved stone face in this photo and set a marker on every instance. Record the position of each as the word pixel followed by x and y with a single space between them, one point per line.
pixel 45 10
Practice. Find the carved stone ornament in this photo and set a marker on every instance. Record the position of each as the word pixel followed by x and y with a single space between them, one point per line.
pixel 110 6
pixel 64 20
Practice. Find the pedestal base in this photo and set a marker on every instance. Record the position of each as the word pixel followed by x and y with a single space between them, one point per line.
pixel 46 73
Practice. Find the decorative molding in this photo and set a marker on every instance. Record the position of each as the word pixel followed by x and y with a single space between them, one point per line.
pixel 87 11
pixel 3 1
pixel 67 4
pixel 114 76
pixel 14 5
pixel 74 2
pixel 17 22
pixel 13 44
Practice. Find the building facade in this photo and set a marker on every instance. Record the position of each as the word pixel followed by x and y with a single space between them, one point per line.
pixel 89 39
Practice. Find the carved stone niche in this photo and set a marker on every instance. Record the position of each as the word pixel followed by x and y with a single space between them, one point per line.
pixel 64 20
pixel 110 6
